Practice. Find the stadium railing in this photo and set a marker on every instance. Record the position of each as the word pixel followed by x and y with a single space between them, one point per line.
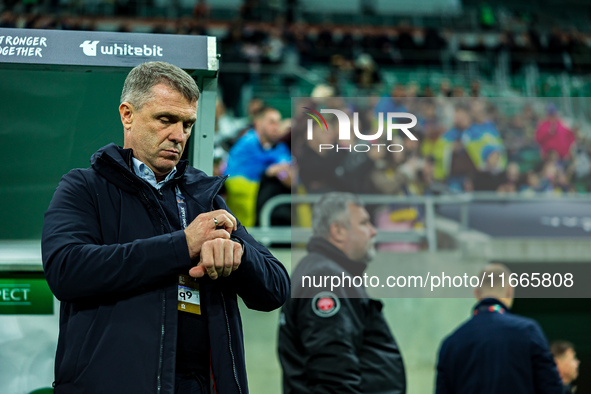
pixel 268 234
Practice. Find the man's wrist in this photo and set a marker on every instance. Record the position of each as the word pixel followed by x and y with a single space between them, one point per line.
pixel 193 252
pixel 239 241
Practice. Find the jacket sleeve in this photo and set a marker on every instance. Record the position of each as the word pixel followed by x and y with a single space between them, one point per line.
pixel 332 345
pixel 546 378
pixel 79 266
pixel 261 280
pixel 441 381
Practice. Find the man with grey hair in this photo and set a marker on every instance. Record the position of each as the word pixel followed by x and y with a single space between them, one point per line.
pixel 335 339
pixel 496 352
pixel 148 262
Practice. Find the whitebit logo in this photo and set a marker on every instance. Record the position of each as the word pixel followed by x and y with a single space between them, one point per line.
pixel 89 48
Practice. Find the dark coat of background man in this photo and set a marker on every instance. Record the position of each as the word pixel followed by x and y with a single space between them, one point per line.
pixel 496 352
pixel 338 341
pixel 147 261
pixel 567 364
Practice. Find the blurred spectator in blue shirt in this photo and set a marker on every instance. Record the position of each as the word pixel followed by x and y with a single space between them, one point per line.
pixel 256 153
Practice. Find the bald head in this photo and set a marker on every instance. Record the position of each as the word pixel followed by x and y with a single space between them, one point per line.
pixel 494 288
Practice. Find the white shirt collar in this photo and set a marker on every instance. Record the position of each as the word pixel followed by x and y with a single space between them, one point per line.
pixel 146 173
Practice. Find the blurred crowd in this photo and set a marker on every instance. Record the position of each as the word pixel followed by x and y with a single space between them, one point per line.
pixel 348 56
pixel 249 39
pixel 465 142
pixel 511 145
pixel 464 145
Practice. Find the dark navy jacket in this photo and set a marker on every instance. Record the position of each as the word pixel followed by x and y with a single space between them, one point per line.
pixel 497 353
pixel 112 260
pixel 349 347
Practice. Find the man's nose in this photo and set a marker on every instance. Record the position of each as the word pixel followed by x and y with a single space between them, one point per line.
pixel 374 230
pixel 177 133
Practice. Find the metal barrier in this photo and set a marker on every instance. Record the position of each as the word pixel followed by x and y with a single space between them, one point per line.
pixel 268 234
pixel 497 197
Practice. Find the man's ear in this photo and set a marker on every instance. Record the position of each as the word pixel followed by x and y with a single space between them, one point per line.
pixel 337 232
pixel 510 291
pixel 126 111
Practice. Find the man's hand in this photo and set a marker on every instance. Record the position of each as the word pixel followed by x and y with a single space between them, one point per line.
pixel 276 169
pixel 218 257
pixel 205 228
pixel 281 171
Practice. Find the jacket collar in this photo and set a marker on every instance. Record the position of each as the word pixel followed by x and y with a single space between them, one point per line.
pixel 488 302
pixel 325 248
pixel 115 164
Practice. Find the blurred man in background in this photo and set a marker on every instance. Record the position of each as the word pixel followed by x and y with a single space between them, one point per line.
pixel 338 341
pixel 256 153
pixel 452 159
pixel 496 352
pixel 553 135
pixel 567 363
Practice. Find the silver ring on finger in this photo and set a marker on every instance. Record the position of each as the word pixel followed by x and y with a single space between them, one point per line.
pixel 215 221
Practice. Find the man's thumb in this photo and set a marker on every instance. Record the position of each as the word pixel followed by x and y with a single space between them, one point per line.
pixel 197 272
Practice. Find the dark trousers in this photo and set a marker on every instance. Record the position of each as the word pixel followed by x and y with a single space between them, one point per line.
pixel 190 383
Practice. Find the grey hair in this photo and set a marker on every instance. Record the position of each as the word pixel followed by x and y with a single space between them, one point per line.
pixel 137 89
pixel 332 208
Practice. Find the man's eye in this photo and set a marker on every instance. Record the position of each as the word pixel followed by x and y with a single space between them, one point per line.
pixel 165 120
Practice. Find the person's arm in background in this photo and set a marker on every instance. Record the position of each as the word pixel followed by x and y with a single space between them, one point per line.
pixel 280 165
pixel 281 171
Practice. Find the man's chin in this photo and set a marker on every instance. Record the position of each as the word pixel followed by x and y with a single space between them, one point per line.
pixel 167 164
pixel 169 157
pixel 370 254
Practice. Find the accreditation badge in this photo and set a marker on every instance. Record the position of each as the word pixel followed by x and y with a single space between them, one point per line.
pixel 188 297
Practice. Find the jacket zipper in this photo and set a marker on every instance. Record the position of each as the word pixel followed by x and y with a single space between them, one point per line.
pixel 216 191
pixel 161 355
pixel 162 327
pixel 230 344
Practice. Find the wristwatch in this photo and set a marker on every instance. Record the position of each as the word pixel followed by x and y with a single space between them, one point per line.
pixel 239 241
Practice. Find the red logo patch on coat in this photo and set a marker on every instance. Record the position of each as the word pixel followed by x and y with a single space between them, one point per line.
pixel 326 304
